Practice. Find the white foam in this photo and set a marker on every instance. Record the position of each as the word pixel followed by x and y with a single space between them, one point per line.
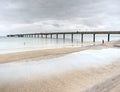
pixel 89 58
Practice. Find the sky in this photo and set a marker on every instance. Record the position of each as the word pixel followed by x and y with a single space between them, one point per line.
pixel 35 16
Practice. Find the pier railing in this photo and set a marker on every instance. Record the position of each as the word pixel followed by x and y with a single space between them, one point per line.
pixel 65 33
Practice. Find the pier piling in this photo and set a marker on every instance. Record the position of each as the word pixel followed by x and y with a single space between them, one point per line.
pixel 63 36
pixel 72 37
pixel 41 35
pixel 56 36
pixel 93 37
pixel 45 35
pixel 108 37
pixel 51 36
pixel 82 38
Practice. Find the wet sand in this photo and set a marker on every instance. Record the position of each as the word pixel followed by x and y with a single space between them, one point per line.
pixel 49 53
pixel 102 79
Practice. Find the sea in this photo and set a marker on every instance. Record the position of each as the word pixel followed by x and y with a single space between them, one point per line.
pixel 19 44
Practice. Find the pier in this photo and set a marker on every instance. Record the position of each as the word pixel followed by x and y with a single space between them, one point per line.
pixel 50 34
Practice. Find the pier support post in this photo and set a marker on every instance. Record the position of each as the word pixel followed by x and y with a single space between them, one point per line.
pixel 72 37
pixel 64 36
pixel 32 35
pixel 45 35
pixel 35 35
pixel 93 37
pixel 38 35
pixel 51 36
pixel 41 35
pixel 82 37
pixel 108 37
pixel 56 36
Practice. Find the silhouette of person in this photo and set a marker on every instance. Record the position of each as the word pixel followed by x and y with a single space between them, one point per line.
pixel 102 41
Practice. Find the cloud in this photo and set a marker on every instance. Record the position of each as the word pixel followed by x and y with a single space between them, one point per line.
pixel 36 10
pixel 58 15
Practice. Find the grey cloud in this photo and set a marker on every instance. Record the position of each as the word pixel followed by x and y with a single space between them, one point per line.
pixel 86 13
pixel 57 25
pixel 36 10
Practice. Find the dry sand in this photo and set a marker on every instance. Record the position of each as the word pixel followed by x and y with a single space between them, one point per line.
pixel 103 79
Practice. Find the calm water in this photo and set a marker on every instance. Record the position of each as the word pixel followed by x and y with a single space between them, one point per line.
pixel 11 44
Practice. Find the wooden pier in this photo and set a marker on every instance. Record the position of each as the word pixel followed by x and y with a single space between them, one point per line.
pixel 35 35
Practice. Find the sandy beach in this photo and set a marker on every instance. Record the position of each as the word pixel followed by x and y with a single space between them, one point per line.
pixel 105 78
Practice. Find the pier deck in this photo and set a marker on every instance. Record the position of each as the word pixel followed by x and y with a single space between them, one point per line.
pixel 64 33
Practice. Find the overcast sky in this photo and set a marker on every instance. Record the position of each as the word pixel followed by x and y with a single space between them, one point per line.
pixel 29 16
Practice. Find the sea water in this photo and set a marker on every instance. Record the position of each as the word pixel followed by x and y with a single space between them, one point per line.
pixel 18 44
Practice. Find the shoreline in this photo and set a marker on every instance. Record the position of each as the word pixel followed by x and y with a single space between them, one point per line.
pixel 50 53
